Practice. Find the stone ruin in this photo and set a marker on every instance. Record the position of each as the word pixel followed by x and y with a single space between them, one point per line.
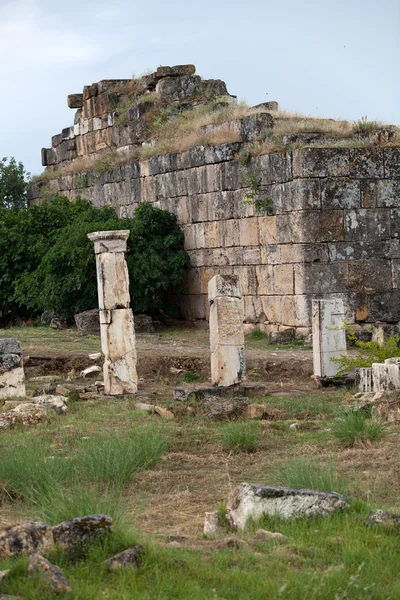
pixel 12 379
pixel 328 335
pixel 335 228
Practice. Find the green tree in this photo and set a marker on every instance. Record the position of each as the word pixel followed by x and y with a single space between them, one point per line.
pixel 13 184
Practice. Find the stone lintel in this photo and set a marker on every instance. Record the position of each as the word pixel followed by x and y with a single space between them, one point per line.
pixel 109 241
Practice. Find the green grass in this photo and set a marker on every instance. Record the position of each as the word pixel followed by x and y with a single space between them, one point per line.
pixel 355 426
pixel 189 377
pixel 257 335
pixel 240 436
pixel 307 405
pixel 311 474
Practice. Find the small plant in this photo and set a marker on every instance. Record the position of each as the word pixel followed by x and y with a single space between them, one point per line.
pixel 81 181
pixel 240 436
pixel 255 196
pixel 189 376
pixel 355 426
pixel 258 336
pixel 368 352
pixel 306 473
pixel 363 125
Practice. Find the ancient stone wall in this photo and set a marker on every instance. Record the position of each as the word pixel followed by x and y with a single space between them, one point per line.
pixel 334 232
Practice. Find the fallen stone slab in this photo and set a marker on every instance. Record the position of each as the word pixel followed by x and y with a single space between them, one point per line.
pixel 252 501
pixel 144 407
pixel 53 576
pixel 74 536
pixel 214 407
pixel 200 391
pixel 164 412
pixel 57 403
pixel 91 371
pixel 24 539
pixel 130 558
pixel 26 414
pixel 384 519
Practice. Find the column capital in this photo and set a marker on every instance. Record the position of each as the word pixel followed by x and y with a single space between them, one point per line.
pixel 109 241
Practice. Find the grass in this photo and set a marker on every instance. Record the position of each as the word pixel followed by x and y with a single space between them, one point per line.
pixel 189 377
pixel 240 436
pixel 258 336
pixel 310 474
pixel 353 427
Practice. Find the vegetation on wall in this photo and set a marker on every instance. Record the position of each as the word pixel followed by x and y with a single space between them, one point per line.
pixel 48 263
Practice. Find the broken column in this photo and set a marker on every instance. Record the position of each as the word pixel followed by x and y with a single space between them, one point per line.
pixel 329 335
pixel 116 318
pixel 12 380
pixel 226 330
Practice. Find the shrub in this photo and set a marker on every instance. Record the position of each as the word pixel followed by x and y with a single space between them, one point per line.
pixel 189 376
pixel 13 184
pixel 308 474
pixel 355 426
pixel 240 435
pixel 368 352
pixel 47 262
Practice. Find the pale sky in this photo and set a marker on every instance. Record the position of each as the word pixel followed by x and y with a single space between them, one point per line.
pixel 330 58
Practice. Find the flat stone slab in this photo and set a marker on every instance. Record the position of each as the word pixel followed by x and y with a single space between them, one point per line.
pixel 247 388
pixel 251 501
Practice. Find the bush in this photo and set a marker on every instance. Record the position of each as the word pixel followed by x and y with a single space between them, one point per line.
pixel 240 435
pixel 355 426
pixel 48 263
pixel 189 377
pixel 368 352
pixel 13 184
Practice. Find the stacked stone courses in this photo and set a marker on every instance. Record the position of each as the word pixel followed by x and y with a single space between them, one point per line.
pixel 334 232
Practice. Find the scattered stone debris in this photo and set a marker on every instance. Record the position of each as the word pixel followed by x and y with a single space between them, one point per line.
pixel 57 403
pixel 26 413
pixel 130 558
pixel 52 575
pixel 263 534
pixel 255 411
pixel 12 378
pixel 163 412
pixel 62 391
pixel 149 408
pixel 202 391
pixel 24 539
pixel 73 536
pixel 210 523
pixel 384 519
pixel 252 501
pixel 384 405
pixel 95 356
pixel 91 371
pixel 217 408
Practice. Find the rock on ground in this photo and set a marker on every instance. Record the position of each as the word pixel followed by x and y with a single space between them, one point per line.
pixel 130 558
pixel 87 322
pixel 26 413
pixel 384 519
pixel 252 501
pixel 74 536
pixel 53 576
pixel 24 539
pixel 57 403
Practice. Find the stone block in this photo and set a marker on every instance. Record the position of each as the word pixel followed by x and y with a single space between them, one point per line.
pixel 370 275
pixel 388 193
pixel 214 88
pixel 339 192
pixel 119 349
pixel 113 281
pixel 253 310
pixel 231 233
pixel 366 224
pixel 174 89
pixel 300 194
pixel 392 162
pixel 228 365
pixel 321 278
pixel 251 255
pixel 75 100
pixel 176 71
pixel 283 279
pixel 248 231
pixel 253 126
pixel 265 280
pixel 223 286
pixel 366 162
pixel 329 336
pixel 87 322
pixel 385 376
pixel 12 378
pixel 321 162
pixel 382 306
pixel 364 380
pixel 369 193
pixel 296 311
pixel 267 230
pixel 226 322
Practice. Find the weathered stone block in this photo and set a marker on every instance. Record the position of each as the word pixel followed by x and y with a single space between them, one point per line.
pixel 173 89
pixel 329 336
pixel 255 125
pixel 366 162
pixel 340 193
pixel 283 279
pixel 176 71
pixel 248 231
pixel 366 224
pixel 321 162
pixel 75 100
pixel 265 280
pixel 388 193
pixel 267 230
pixel 370 275
pixel 119 349
pixel 296 311
pixel 322 278
pixel 272 308
pixel 226 322
pixel 369 196
pixel 12 379
pixel 231 233
pixel 392 162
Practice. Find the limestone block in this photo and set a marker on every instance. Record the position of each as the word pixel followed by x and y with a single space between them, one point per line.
pixel 209 178
pixel 275 168
pixel 370 275
pixel 119 349
pixel 254 125
pixel 364 381
pixel 214 87
pixel 267 230
pixel 199 238
pixel 226 322
pixel 176 71
pixel 329 336
pixel 366 162
pixel 385 376
pixel 113 280
pixel 241 207
pixel 383 306
pixel 388 193
pixel 212 234
pixel 300 194
pixel 206 274
pixel 322 278
pixel 251 255
pixel 265 280
pixel 283 279
pixel 199 207
pixel 12 379
pixel 190 243
pixel 172 89
pixel 253 310
pixel 392 162
pixel 367 224
pixel 194 307
pixel 227 365
pixel 109 241
pixel 252 501
pixel 233 175
pixel 192 281
pixel 296 311
pixel 369 195
pixel 247 278
pixel 321 162
pixel 339 192
pixel 248 231
pixel 230 233
pixel 272 308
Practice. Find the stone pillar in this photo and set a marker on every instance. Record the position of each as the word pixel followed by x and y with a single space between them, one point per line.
pixel 329 336
pixel 226 330
pixel 116 318
pixel 12 380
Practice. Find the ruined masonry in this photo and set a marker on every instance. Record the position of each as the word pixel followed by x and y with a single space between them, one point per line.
pixel 329 336
pixel 116 318
pixel 226 330
pixel 12 379
pixel 336 223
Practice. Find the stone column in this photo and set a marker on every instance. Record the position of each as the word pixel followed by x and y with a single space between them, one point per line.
pixel 116 318
pixel 12 379
pixel 226 330
pixel 329 336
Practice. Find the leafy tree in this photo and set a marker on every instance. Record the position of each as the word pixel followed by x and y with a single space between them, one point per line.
pixel 13 184
pixel 48 263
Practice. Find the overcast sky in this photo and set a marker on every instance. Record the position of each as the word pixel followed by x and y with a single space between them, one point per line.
pixel 331 58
